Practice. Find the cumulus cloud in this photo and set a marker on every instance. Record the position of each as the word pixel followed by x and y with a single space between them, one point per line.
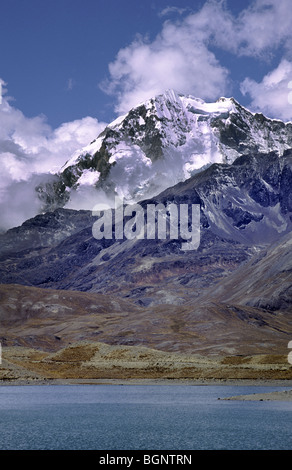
pixel 30 150
pixel 271 95
pixel 264 26
pixel 256 31
pixel 182 55
pixel 178 58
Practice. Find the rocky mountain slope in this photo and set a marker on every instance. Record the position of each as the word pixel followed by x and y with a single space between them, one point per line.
pixel 244 207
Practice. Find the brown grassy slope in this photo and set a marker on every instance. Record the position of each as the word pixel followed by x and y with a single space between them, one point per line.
pixel 49 320
pixel 93 361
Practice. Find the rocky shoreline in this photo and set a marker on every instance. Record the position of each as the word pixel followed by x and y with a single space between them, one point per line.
pixel 285 395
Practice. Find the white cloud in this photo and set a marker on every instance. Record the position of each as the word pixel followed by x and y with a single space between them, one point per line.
pixel 30 149
pixel 180 57
pixel 256 32
pixel 173 10
pixel 264 26
pixel 175 59
pixel 271 95
pixel 2 84
pixel 70 84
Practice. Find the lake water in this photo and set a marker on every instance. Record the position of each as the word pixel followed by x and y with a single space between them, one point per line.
pixel 130 417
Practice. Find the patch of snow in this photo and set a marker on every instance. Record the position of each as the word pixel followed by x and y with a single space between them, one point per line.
pixel 118 121
pixel 90 149
pixel 89 177
pixel 141 121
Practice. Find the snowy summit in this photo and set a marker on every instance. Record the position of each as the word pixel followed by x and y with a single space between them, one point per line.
pixel 159 143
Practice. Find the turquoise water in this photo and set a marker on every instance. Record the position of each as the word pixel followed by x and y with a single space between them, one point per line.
pixel 160 417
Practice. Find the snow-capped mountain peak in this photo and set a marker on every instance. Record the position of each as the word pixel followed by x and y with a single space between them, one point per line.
pixel 161 142
pixel 172 111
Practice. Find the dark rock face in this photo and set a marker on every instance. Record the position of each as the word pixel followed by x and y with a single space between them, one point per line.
pixel 248 201
pixel 44 230
pixel 237 134
pixel 146 135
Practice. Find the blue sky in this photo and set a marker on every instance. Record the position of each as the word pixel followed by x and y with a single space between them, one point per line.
pixel 56 54
pixel 69 67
